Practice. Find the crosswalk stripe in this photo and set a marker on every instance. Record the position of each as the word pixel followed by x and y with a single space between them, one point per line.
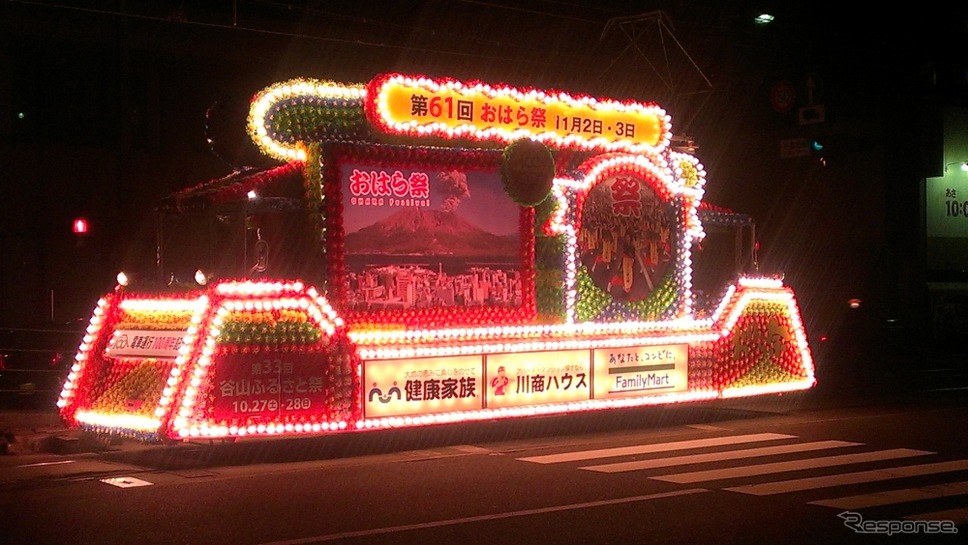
pixel 810 483
pixel 958 515
pixel 795 465
pixel 658 447
pixel 637 465
pixel 889 497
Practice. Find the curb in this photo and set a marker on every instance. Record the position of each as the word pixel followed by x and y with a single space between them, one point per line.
pixel 32 432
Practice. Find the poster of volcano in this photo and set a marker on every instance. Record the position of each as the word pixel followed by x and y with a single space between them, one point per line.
pixel 441 235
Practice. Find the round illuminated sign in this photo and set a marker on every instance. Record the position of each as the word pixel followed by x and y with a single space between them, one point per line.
pixel 626 241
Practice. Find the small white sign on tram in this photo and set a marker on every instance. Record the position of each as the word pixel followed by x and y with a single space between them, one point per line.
pixel 640 370
pixel 145 343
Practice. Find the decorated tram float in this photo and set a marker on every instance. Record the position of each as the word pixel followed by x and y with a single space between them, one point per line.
pixel 430 251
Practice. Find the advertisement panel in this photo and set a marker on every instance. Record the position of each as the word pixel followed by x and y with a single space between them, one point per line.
pixel 946 205
pixel 640 370
pixel 255 387
pixel 421 386
pixel 438 235
pixel 536 378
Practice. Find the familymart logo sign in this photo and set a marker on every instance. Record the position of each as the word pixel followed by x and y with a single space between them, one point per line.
pixel 856 522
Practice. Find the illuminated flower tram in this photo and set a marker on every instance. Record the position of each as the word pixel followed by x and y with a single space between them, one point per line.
pixel 432 251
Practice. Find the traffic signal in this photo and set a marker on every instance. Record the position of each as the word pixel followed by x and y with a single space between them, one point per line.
pixel 81 229
pixel 818 149
pixel 80 226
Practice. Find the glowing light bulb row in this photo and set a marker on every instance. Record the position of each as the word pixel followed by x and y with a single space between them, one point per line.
pixel 570 192
pixel 83 351
pixel 187 424
pixel 692 227
pixel 761 281
pixel 558 223
pixel 686 281
pixel 158 305
pixel 204 430
pixel 748 296
pixel 416 351
pixel 316 314
pixel 534 410
pixel 327 309
pixel 772 388
pixel 644 166
pixel 125 421
pixel 724 304
pixel 682 278
pixel 175 378
pixel 694 231
pixel 786 298
pixel 689 173
pixel 188 351
pixel 199 348
pixel 501 91
pixel 547 332
pixel 267 100
pixel 250 288
pixel 800 335
pixel 571 276
pixel 383 88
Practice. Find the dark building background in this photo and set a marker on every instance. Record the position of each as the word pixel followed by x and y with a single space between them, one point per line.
pixel 107 106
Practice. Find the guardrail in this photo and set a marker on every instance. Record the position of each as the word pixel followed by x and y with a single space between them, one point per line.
pixel 30 388
pixel 34 364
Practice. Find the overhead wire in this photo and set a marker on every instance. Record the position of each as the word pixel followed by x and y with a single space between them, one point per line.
pixel 477 53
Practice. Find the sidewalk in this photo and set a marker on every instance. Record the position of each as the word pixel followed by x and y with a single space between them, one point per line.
pixel 34 432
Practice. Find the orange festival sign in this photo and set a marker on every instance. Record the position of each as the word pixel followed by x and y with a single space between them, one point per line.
pixel 424 106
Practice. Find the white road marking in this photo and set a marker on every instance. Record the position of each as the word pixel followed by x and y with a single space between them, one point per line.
pixel 705 427
pixel 958 515
pixel 717 456
pixel 795 465
pixel 890 497
pixel 39 464
pixel 811 483
pixel 482 518
pixel 125 482
pixel 658 447
pixel 472 449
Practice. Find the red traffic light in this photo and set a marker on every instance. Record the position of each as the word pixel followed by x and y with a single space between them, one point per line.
pixel 80 226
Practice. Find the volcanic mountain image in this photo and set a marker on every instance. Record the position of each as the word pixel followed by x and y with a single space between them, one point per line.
pixel 421 231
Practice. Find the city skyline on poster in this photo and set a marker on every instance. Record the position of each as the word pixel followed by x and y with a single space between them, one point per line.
pixel 427 238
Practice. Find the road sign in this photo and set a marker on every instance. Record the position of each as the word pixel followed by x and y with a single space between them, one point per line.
pixel 812 90
pixel 782 96
pixel 812 114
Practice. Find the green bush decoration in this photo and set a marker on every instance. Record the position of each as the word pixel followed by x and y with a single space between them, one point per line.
pixel 591 299
pixel 652 307
pixel 550 295
pixel 527 171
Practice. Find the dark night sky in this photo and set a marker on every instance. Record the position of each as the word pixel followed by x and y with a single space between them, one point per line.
pixel 106 105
